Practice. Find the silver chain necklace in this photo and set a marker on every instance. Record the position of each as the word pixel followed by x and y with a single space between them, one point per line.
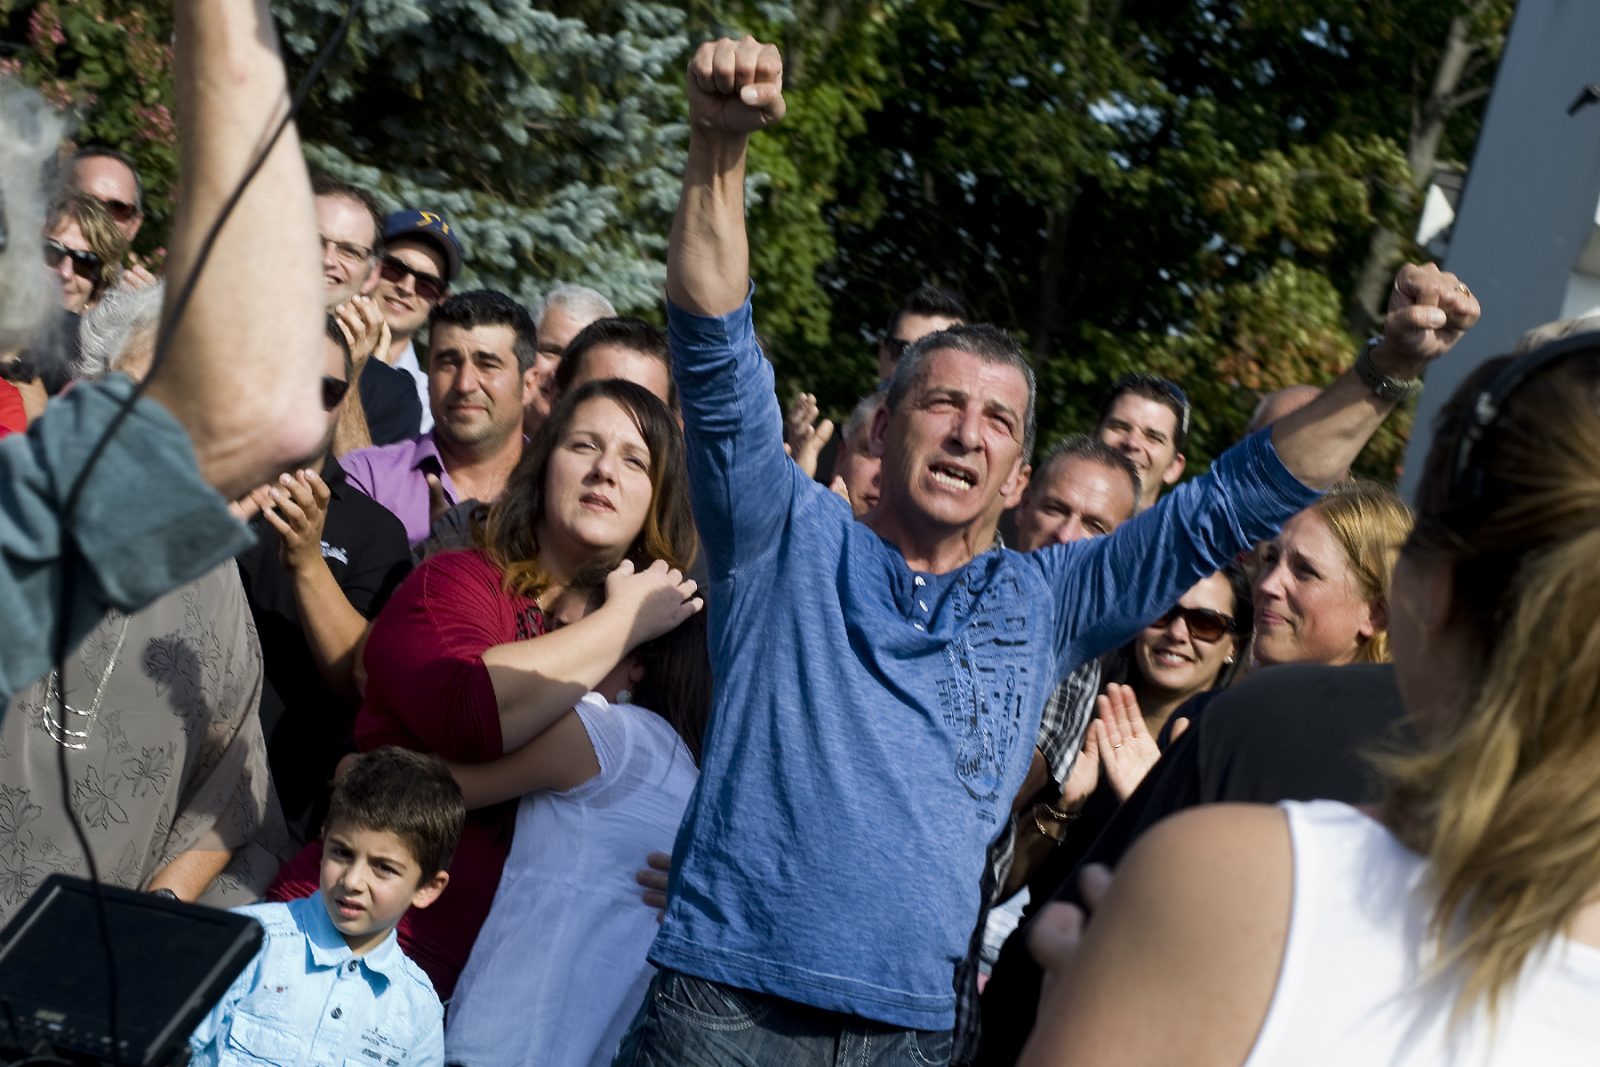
pixel 59 732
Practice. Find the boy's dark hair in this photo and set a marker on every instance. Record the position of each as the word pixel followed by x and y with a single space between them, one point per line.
pixel 929 300
pixel 487 307
pixel 405 793
pixel 624 332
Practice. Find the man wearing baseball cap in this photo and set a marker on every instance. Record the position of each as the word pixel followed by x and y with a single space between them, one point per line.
pixel 421 257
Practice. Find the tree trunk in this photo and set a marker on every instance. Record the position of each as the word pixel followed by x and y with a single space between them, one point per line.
pixel 1369 298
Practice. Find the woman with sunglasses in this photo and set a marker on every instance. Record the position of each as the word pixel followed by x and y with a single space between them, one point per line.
pixel 1197 647
pixel 1321 595
pixel 84 250
pixel 1459 923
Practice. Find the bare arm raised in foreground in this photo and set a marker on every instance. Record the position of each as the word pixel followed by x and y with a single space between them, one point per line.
pixel 241 375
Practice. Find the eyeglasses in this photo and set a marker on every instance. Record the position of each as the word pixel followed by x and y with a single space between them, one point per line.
pixel 429 286
pixel 333 391
pixel 353 255
pixel 120 210
pixel 85 265
pixel 1203 623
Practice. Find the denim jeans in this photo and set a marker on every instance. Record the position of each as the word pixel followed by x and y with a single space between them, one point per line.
pixel 689 1021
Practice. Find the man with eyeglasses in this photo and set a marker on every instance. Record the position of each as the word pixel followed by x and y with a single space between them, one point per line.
pixel 1146 418
pixel 421 257
pixel 386 408
pixel 325 561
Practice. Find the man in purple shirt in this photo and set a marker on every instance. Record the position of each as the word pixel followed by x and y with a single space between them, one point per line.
pixel 480 360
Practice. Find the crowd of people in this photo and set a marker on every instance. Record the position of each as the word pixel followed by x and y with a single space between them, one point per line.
pixel 552 693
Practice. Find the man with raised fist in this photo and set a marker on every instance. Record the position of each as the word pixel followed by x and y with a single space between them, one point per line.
pixel 879 682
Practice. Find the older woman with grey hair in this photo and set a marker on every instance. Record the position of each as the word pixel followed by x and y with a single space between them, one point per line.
pixel 119 333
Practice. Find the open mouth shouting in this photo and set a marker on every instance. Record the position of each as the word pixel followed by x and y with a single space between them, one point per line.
pixel 950 476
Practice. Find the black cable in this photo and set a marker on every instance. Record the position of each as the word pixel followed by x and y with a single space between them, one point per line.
pixel 70 507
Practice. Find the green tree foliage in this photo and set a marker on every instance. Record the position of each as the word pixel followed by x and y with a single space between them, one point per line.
pixel 1202 188
pixel 1188 188
pixel 552 137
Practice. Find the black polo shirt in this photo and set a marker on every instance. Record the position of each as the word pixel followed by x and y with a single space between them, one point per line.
pixel 308 725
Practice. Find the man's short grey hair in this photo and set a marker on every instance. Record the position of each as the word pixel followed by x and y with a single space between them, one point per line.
pixel 1082 446
pixel 122 318
pixel 991 344
pixel 579 301
pixel 862 414
pixel 30 133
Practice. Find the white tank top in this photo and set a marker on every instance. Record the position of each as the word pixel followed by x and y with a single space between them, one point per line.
pixel 1350 991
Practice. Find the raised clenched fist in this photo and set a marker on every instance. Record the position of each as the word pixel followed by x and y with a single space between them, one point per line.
pixel 735 87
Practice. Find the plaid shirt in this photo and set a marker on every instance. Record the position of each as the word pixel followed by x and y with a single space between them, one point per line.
pixel 1061 731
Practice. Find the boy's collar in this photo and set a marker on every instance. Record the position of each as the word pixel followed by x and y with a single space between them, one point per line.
pixel 328 946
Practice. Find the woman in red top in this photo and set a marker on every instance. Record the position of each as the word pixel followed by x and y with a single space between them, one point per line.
pixel 470 658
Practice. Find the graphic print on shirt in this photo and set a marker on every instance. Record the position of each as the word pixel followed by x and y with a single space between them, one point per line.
pixel 981 698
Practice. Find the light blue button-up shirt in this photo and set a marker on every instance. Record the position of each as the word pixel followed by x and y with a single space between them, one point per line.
pixel 306 1000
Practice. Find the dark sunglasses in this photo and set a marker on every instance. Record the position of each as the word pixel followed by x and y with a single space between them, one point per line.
pixel 85 265
pixel 429 286
pixel 1203 623
pixel 333 391
pixel 121 210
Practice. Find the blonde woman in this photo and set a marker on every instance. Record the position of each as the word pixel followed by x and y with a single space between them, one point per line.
pixel 1462 925
pixel 1322 588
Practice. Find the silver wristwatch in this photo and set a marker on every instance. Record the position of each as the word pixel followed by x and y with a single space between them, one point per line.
pixel 1386 387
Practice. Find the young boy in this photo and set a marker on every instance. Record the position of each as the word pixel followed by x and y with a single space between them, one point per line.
pixel 330 985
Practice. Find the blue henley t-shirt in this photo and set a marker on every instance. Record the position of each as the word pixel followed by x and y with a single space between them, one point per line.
pixel 872 724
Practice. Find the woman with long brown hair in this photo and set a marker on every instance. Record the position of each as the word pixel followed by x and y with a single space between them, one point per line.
pixel 1462 923
pixel 481 651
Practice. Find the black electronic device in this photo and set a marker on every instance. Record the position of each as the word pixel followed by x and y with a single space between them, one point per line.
pixel 173 963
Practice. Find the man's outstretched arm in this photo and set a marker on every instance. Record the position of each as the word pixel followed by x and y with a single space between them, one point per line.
pixel 1429 310
pixel 734 89
pixel 242 370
